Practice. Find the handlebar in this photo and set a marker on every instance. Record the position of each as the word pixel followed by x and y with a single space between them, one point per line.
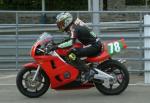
pixel 41 50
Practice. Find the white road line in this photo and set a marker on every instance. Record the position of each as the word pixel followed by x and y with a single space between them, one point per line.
pixel 8 76
pixel 137 84
pixel 7 84
pixel 13 84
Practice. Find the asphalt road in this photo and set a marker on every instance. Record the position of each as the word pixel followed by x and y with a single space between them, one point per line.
pixel 135 93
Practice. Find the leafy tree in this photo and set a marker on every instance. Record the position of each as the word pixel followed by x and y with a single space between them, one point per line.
pixel 135 2
pixel 50 4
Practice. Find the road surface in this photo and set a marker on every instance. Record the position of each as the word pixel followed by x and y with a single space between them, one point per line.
pixel 135 93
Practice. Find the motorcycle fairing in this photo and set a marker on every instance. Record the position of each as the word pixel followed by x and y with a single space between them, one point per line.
pixel 57 75
pixel 56 70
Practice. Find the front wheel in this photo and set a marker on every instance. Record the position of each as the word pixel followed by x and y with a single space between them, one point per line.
pixel 31 88
pixel 119 72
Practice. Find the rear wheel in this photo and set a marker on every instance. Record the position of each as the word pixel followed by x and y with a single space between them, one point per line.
pixel 31 88
pixel 119 72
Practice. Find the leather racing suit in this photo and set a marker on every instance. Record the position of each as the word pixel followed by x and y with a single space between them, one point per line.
pixel 92 45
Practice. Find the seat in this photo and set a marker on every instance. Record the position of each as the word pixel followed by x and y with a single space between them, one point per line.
pixel 101 57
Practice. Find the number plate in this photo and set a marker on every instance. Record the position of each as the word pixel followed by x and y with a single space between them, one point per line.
pixel 114 47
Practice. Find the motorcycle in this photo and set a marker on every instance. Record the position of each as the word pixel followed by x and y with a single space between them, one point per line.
pixel 53 70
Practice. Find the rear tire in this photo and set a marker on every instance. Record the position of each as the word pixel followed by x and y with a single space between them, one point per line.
pixel 119 71
pixel 29 88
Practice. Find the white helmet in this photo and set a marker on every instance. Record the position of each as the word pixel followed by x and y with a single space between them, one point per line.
pixel 64 20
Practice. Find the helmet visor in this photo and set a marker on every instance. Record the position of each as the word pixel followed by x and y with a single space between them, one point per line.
pixel 60 25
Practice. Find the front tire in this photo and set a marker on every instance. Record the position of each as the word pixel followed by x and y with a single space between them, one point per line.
pixel 31 88
pixel 117 70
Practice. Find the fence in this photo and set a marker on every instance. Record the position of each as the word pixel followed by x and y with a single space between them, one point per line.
pixel 17 38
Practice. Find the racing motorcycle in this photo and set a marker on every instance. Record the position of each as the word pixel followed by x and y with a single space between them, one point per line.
pixel 53 70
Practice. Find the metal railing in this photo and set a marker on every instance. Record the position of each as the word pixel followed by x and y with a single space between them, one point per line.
pixel 132 31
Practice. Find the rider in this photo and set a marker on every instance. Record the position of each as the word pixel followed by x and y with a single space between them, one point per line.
pixel 78 30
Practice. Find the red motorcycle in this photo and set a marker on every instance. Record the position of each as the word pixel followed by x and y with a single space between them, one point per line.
pixel 52 69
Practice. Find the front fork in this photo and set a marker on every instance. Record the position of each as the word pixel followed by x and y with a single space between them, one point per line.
pixel 36 73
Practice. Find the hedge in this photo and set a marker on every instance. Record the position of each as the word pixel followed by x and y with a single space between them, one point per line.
pixel 50 4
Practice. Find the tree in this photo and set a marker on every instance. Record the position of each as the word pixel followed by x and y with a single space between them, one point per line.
pixel 135 2
pixel 50 4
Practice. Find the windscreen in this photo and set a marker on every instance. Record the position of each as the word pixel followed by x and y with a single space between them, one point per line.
pixel 45 37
